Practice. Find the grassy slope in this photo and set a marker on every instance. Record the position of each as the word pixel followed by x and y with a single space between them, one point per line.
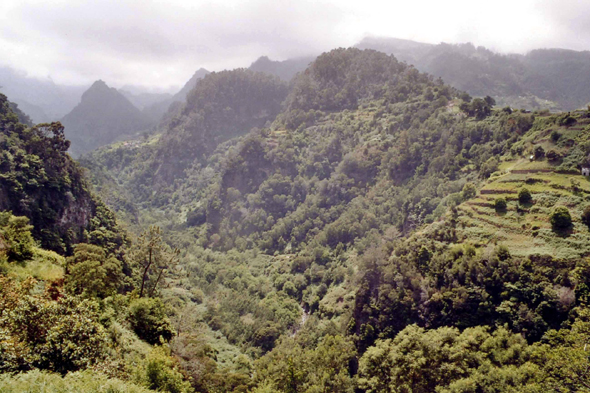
pixel 527 229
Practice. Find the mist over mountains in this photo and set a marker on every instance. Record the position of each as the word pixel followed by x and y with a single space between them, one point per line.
pixel 543 78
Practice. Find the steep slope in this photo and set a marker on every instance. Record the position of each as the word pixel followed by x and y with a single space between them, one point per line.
pixel 503 254
pixel 222 106
pixel 188 86
pixel 544 78
pixel 285 69
pixel 102 116
pixel 39 180
pixel 157 110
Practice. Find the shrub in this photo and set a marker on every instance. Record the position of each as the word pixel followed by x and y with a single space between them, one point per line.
pixel 82 381
pixel 500 204
pixel 561 218
pixel 37 332
pixel 149 321
pixel 468 191
pixel 555 136
pixel 539 152
pixel 553 156
pixel 15 237
pixel 160 372
pixel 524 196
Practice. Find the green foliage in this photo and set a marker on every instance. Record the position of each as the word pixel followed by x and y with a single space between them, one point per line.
pixel 159 372
pixel 149 321
pixel 445 359
pixel 489 167
pixel 291 368
pixel 553 156
pixel 91 274
pixel 465 289
pixel 36 331
pixel 500 204
pixel 561 218
pixel 524 196
pixel 76 382
pixel 478 108
pixel 16 241
pixel 314 227
pixel 469 191
pixel 153 259
pixel 40 181
pixel 586 216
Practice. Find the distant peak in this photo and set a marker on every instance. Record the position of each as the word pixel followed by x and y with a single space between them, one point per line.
pixel 100 89
pixel 99 82
pixel 99 85
pixel 200 73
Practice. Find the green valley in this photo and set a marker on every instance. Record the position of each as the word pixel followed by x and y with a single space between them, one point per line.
pixel 364 228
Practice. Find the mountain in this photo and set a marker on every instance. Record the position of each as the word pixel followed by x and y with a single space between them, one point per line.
pixel 157 110
pixel 143 99
pixel 365 227
pixel 43 100
pixel 221 106
pixel 102 116
pixel 382 222
pixel 285 69
pixel 190 84
pixel 545 78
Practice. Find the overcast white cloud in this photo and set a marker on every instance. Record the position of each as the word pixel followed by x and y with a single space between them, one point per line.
pixel 160 43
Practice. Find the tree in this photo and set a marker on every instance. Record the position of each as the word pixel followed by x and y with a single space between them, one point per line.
pixel 154 258
pixel 468 191
pixel 446 360
pixel 16 240
pixel 561 218
pixel 524 196
pixel 553 156
pixel 500 204
pixel 37 332
pixel 149 321
pixel 91 274
pixel 586 216
pixel 539 152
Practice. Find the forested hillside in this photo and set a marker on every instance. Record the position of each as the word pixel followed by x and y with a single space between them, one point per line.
pixel 367 228
pixel 39 180
pixel 159 109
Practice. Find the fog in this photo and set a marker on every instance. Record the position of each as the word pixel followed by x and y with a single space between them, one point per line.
pixel 160 44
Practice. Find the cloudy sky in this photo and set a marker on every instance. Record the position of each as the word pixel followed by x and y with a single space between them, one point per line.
pixel 161 43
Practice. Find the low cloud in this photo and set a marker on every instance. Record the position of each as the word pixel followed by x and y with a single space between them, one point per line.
pixel 157 43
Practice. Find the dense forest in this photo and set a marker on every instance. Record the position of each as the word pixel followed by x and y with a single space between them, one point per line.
pixel 364 228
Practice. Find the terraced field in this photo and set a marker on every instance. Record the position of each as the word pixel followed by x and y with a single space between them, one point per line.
pixel 526 229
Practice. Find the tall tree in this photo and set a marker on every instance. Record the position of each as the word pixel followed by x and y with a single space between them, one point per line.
pixel 154 258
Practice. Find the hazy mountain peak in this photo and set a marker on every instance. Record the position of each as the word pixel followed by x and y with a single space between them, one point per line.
pixel 199 74
pixel 103 115
pixel 285 69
